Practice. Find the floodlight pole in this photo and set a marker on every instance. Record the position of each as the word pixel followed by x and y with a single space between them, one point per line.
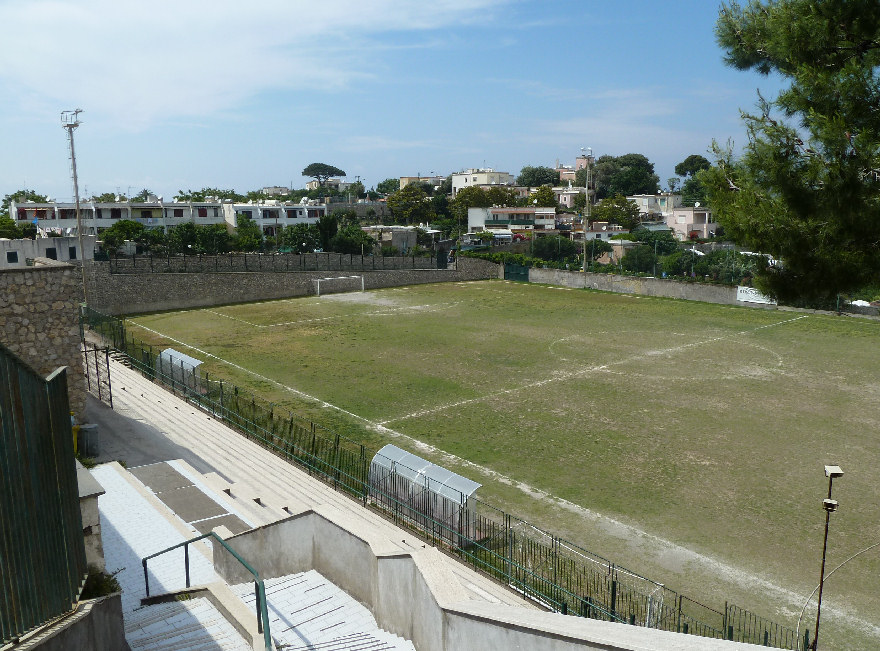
pixel 70 121
pixel 829 505
pixel 588 204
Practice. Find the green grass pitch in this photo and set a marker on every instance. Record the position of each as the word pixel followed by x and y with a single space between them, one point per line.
pixel 683 440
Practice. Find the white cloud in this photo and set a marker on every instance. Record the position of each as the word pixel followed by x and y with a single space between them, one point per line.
pixel 135 64
pixel 623 120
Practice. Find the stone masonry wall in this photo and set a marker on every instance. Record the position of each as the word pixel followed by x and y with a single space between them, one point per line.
pixel 39 321
pixel 638 285
pixel 121 293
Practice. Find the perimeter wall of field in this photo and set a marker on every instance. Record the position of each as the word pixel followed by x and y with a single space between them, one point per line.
pixel 115 290
pixel 638 285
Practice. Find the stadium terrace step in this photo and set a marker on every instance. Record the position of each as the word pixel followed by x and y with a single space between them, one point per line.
pixel 306 611
pixel 259 509
pixel 192 624
pixel 244 461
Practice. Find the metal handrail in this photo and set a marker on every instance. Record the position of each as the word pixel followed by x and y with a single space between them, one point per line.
pixel 259 586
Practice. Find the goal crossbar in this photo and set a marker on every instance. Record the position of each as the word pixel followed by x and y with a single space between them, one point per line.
pixel 318 281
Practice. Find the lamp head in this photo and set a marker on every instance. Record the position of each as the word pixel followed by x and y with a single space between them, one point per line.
pixel 829 505
pixel 833 472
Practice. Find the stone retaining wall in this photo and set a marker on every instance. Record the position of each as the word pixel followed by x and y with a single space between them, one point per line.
pixel 119 293
pixel 39 321
pixel 637 285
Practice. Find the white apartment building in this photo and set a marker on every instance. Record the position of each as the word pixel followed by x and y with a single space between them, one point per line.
pixel 656 205
pixel 272 216
pixel 530 218
pixel 480 177
pixel 56 218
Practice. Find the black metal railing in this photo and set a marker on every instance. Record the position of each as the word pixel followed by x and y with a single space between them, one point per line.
pixel 266 262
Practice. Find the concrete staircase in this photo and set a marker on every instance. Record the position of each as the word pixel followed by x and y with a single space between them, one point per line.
pixel 153 507
pixel 194 624
pixel 308 612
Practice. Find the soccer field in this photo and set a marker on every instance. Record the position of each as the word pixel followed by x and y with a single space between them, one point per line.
pixel 683 440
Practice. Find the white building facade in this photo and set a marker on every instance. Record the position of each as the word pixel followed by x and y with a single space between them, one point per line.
pixel 15 254
pixel 480 177
pixel 60 218
pixel 528 219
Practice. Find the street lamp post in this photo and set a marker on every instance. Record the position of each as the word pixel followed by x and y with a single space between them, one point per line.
pixel 830 506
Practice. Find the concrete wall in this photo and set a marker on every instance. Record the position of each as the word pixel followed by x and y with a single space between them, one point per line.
pixel 97 626
pixel 39 321
pixel 637 285
pixel 144 292
pixel 89 492
pixel 418 596
pixel 25 249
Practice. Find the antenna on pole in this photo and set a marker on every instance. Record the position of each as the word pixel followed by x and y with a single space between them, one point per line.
pixel 69 122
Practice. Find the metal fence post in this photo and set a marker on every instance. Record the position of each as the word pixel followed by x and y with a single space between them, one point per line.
pixel 259 605
pixel 146 577
pixel 186 562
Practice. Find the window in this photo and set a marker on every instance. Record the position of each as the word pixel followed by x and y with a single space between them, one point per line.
pixel 146 214
pixel 178 212
pixel 216 211
pixel 52 253
pixel 99 213
pixel 11 257
pixel 203 212
pixel 71 253
pixel 116 213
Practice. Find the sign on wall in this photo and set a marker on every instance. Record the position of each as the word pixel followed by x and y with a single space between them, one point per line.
pixel 752 295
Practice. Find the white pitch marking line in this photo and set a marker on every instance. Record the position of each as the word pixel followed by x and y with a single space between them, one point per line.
pixel 580 373
pixel 408 308
pixel 302 394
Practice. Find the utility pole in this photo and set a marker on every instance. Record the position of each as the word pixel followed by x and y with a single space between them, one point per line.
pixel 70 121
pixel 589 203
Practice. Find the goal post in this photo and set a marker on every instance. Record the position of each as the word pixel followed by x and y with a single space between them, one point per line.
pixel 338 284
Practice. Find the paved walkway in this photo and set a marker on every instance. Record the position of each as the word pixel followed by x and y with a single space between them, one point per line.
pixel 132 527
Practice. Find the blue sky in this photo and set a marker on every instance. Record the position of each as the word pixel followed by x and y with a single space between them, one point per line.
pixel 179 95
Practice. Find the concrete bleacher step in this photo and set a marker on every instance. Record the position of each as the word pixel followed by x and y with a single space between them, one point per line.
pixel 242 460
pixel 306 611
pixel 267 473
pixel 259 508
pixel 192 624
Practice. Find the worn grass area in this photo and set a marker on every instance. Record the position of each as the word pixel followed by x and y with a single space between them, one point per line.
pixel 702 425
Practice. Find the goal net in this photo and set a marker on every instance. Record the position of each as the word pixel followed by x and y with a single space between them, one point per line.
pixel 338 284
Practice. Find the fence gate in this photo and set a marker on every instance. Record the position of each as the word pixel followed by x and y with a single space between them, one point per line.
pixel 96 367
pixel 516 272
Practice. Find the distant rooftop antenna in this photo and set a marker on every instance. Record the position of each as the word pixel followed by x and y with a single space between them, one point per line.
pixel 70 121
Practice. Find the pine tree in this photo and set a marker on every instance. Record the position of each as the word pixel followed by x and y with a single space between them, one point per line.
pixel 807 187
